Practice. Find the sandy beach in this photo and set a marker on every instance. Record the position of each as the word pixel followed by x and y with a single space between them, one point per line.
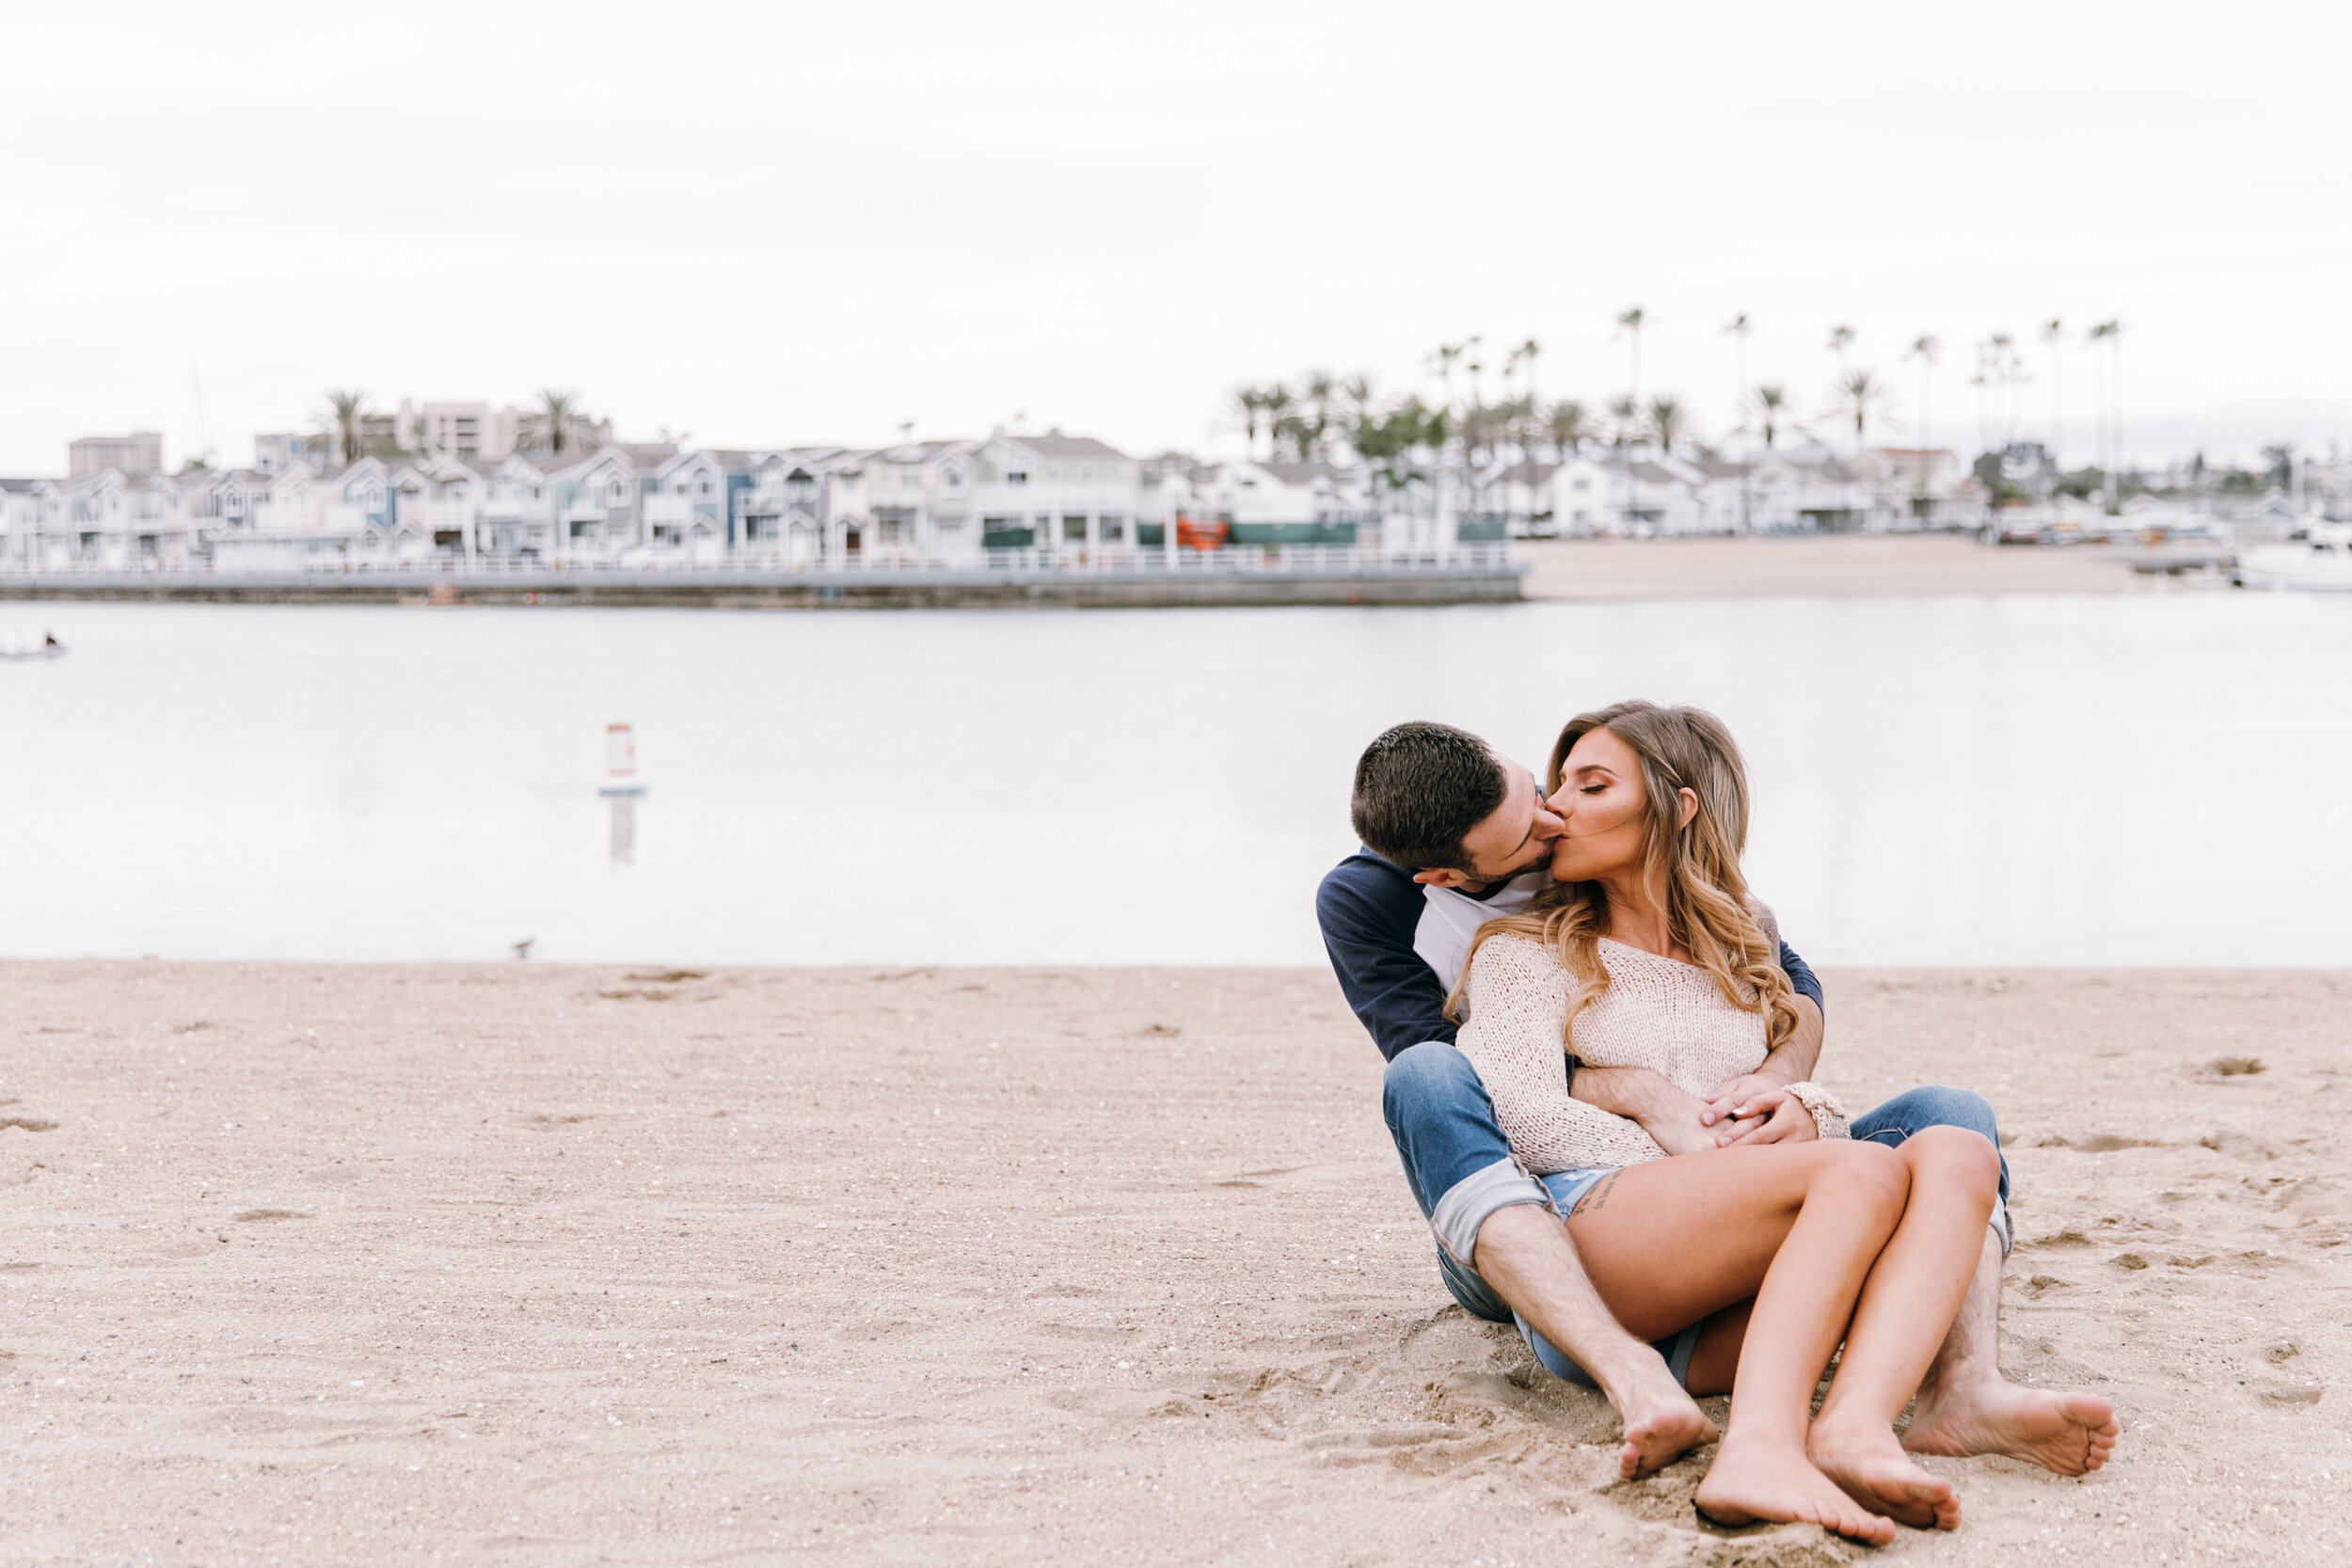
pixel 1817 565
pixel 542 1264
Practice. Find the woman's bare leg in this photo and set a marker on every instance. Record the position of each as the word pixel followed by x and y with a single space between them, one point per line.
pixel 1799 1227
pixel 1905 1308
pixel 1715 1358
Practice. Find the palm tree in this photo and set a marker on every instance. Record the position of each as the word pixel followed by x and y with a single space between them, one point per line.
pixel 1624 415
pixel 2111 333
pixel 1322 403
pixel 2054 334
pixel 1248 404
pixel 1389 441
pixel 1445 355
pixel 1668 422
pixel 1276 400
pixel 1569 426
pixel 1840 338
pixel 558 424
pixel 343 422
pixel 1737 330
pixel 1926 350
pixel 1629 321
pixel 1769 408
pixel 1534 400
pixel 1861 395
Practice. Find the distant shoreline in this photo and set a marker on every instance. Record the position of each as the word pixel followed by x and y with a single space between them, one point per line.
pixel 1544 570
pixel 913 588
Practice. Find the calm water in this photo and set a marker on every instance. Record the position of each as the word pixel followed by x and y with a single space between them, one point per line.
pixel 2140 780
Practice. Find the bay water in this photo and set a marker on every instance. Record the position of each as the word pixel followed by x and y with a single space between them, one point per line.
pixel 2153 780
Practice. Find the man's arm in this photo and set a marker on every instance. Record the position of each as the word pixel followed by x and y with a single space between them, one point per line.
pixel 1368 909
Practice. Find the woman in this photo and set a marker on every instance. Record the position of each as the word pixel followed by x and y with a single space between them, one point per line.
pixel 1647 962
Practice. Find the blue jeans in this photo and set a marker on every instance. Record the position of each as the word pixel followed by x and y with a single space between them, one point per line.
pixel 1461 1170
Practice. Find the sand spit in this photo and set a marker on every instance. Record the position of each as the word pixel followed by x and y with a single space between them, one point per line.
pixel 1819 565
pixel 551 1265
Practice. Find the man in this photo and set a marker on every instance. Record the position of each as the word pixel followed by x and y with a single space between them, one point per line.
pixel 1453 834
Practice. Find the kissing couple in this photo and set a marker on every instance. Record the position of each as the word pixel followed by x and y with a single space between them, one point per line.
pixel 1600 1058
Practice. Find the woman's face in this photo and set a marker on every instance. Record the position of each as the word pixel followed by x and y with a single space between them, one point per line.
pixel 1605 810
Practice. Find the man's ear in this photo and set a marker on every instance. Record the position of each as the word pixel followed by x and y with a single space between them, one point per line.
pixel 1442 879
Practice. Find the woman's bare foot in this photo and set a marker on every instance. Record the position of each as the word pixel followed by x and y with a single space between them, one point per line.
pixel 1662 1423
pixel 1868 1462
pixel 2068 1435
pixel 1749 1485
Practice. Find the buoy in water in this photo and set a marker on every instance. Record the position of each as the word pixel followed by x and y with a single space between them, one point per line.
pixel 620 762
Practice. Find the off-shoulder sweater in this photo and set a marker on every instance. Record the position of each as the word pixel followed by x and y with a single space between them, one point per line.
pixel 1656 1013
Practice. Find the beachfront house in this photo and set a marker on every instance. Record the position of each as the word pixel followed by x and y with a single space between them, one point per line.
pixel 784 508
pixel 106 520
pixel 1056 492
pixel 1914 488
pixel 294 517
pixel 1268 502
pixel 690 503
pixel 919 497
pixel 21 502
pixel 595 504
pixel 438 507
pixel 515 522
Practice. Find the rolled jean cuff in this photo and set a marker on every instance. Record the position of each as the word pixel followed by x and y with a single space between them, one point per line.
pixel 1468 1202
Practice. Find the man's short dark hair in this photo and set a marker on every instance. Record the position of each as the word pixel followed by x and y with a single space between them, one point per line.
pixel 1419 789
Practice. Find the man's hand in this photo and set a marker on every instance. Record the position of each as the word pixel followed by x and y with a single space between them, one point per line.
pixel 1783 1116
pixel 1667 1113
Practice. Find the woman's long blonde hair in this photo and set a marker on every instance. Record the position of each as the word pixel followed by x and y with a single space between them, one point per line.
pixel 1695 865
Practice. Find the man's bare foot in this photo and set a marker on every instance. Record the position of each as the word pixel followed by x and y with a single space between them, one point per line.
pixel 1749 1485
pixel 1868 1462
pixel 1662 1424
pixel 2068 1435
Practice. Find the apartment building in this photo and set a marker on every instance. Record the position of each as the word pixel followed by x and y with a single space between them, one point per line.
pixel 138 456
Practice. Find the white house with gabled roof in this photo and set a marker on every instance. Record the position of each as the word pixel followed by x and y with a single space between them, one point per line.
pixel 917 500
pixel 784 509
pixel 1056 492
pixel 594 505
pixel 517 521
pixel 687 506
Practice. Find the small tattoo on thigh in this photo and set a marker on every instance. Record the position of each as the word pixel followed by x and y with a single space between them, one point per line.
pixel 1596 1194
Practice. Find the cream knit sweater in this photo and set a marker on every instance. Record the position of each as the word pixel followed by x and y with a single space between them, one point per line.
pixel 1657 1013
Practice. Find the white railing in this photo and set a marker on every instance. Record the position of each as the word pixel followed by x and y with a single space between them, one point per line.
pixel 1147 560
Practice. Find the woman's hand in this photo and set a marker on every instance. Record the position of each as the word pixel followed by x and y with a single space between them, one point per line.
pixel 1734 1092
pixel 1781 1117
pixel 1667 1113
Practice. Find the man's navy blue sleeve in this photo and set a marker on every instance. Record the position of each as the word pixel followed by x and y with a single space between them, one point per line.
pixel 1800 977
pixel 1369 909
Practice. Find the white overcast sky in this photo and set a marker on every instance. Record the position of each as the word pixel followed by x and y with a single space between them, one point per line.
pixel 795 223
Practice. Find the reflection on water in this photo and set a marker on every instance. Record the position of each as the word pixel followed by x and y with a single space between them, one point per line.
pixel 1938 781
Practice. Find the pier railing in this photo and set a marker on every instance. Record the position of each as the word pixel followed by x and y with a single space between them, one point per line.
pixel 1146 560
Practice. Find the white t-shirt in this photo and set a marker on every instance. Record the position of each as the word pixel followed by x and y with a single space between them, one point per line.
pixel 1449 919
